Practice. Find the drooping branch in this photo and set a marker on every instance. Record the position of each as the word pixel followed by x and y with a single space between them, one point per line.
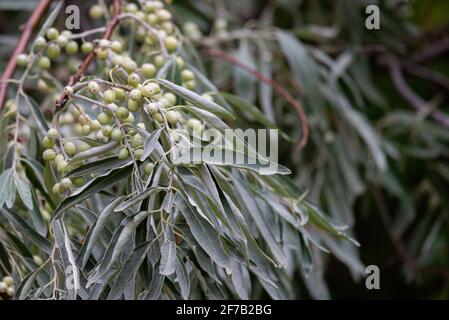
pixel 21 46
pixel 82 70
pixel 278 88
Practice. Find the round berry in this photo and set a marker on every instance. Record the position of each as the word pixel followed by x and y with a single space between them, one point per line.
pixel 172 117
pixel 135 95
pixel 48 143
pixel 95 125
pixel 133 106
pixel 59 158
pixel 96 11
pixel 61 166
pixel 148 168
pixel 130 119
pixel 104 119
pixel 44 63
pixel 137 141
pixel 159 61
pixel 152 108
pixel 3 287
pixel 78 181
pixel 163 15
pixel 171 98
pixel 72 47
pixel 52 134
pixel 158 117
pixel 53 51
pixel 171 43
pixel 189 84
pixel 62 40
pixel 52 34
pixel 22 60
pixel 138 154
pixel 93 87
pixel 66 183
pixel 180 63
pixel 10 291
pixel 87 47
pixel 194 124
pixel 40 43
pixel 56 188
pixel 107 130
pixel 102 53
pixel 122 113
pixel 70 148
pixel 148 70
pixel 133 79
pixel 123 154
pixel 109 96
pixel 116 46
pixel 9 281
pixel 117 134
pixel 49 155
pixel 187 75
pixel 86 129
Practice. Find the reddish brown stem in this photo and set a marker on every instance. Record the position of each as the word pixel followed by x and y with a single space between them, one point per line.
pixel 278 88
pixel 25 37
pixel 110 27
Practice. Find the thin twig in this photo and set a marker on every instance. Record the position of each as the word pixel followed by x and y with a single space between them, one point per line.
pixel 410 96
pixel 113 23
pixel 275 85
pixel 25 37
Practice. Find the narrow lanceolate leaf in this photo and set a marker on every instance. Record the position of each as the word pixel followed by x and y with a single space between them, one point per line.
pixel 129 270
pixel 220 156
pixel 24 192
pixel 95 151
pixel 182 277
pixel 138 198
pixel 196 99
pixel 38 116
pixel 7 187
pixel 150 143
pixel 91 188
pixel 41 242
pixel 99 166
pixel 96 229
pixel 204 233
pixel 168 257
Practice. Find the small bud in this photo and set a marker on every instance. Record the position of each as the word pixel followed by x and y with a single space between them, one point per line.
pixel 87 47
pixel 49 155
pixel 66 183
pixel 70 148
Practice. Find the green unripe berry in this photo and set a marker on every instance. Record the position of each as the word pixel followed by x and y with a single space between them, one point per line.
pixel 116 46
pixel 159 61
pixel 171 43
pixel 83 119
pixel 104 119
pixel 56 188
pixel 187 75
pixel 189 84
pixel 70 148
pixel 138 154
pixel 61 166
pixel 133 106
pixel 102 53
pixel 119 93
pixel 133 79
pixel 123 154
pixel 66 183
pixel 78 181
pixel 117 135
pixel 96 11
pixel 52 34
pixel 152 108
pixel 48 143
pixel 49 155
pixel 148 70
pixel 181 63
pixel 40 43
pixel 93 87
pixel 107 130
pixel 95 125
pixel 158 117
pixel 109 96
pixel 137 141
pixel 62 40
pixel 72 47
pixel 194 124
pixel 172 117
pixel 44 63
pixel 130 119
pixel 66 33
pixel 131 8
pixel 122 113
pixel 163 15
pixel 11 291
pixel 37 260
pixel 52 134
pixel 150 90
pixel 53 51
pixel 148 168
pixel 8 280
pixel 22 60
pixel 86 129
pixel 129 65
pixel 87 47
pixel 171 98
pixel 135 95
pixel 59 158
